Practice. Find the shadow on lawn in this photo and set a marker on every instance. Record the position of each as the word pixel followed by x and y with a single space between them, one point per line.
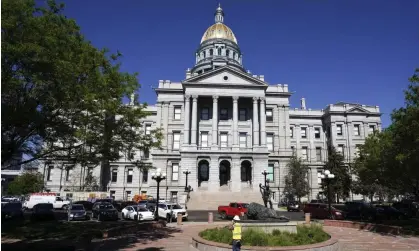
pixel 63 236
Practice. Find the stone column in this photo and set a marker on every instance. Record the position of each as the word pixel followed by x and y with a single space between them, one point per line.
pixel 194 119
pixel 312 148
pixel 348 150
pixel 214 122
pixel 262 122
pixel 365 129
pixel 333 132
pixel 186 120
pixel 235 121
pixel 297 135
pixel 165 124
pixel 255 122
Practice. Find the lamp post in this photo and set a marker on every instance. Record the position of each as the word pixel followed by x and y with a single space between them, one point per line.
pixel 265 173
pixel 158 177
pixel 327 177
pixel 187 172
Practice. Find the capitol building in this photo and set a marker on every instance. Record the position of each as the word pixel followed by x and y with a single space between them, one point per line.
pixel 225 126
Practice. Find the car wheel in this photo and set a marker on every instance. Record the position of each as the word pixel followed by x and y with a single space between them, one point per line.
pixel 185 219
pixel 64 207
pixel 168 218
pixel 223 215
pixel 135 217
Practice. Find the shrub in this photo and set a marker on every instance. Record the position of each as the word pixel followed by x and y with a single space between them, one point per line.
pixel 255 237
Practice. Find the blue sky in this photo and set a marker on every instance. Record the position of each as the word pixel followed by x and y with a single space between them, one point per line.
pixel 360 51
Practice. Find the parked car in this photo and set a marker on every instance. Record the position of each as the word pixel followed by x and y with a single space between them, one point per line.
pixel 391 213
pixel 137 213
pixel 119 205
pixel 363 211
pixel 104 211
pixel 409 207
pixel 52 198
pixel 43 211
pixel 170 211
pixel 293 207
pixel 86 204
pixel 77 212
pixel 11 210
pixel 321 211
pixel 233 209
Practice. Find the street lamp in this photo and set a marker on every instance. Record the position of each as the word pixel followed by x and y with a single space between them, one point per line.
pixel 327 177
pixel 187 172
pixel 158 177
pixel 265 173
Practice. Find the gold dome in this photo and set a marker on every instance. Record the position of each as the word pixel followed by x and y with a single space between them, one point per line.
pixel 219 30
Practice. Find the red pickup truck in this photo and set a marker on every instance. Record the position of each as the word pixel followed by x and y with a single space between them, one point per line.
pixel 235 208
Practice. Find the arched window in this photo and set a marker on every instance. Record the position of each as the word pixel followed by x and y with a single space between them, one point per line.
pixel 227 53
pixel 211 52
pixel 246 171
pixel 234 54
pixel 219 51
pixel 204 54
pixel 203 170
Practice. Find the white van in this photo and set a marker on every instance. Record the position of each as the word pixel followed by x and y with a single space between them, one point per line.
pixel 36 198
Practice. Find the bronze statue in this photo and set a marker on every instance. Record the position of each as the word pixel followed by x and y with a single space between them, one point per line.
pixel 266 195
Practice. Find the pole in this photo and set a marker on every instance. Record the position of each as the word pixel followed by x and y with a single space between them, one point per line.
pixel 329 197
pixel 264 174
pixel 186 186
pixel 156 216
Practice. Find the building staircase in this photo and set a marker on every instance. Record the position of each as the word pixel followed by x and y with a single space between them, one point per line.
pixel 206 200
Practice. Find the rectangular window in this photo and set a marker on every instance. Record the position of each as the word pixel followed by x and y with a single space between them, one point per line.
pixel 173 196
pixel 128 195
pixel 371 129
pixel 178 112
pixel 146 154
pixel 341 150
pixel 176 140
pixel 271 168
pixel 145 176
pixel 223 114
pixel 49 172
pixel 303 132
pixel 269 115
pixel 317 132
pixel 147 129
pixel 205 113
pixel 304 153
pixel 357 131
pixel 114 175
pixel 204 139
pixel 339 130
pixel 242 114
pixel 223 140
pixel 318 153
pixel 67 173
pixel 130 173
pixel 270 141
pixel 243 140
pixel 292 132
pixel 112 194
pixel 175 171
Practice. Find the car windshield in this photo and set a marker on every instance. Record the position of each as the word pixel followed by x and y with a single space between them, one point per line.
pixel 175 206
pixel 77 207
pixel 245 205
pixel 142 209
pixel 143 202
pixel 105 206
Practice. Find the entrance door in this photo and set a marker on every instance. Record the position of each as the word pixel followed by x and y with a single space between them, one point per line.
pixel 224 172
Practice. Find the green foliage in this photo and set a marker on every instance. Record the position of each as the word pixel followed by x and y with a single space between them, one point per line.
pixel 341 184
pixel 62 97
pixel 28 182
pixel 388 162
pixel 254 237
pixel 296 183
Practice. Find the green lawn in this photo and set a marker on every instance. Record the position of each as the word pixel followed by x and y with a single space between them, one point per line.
pixel 252 237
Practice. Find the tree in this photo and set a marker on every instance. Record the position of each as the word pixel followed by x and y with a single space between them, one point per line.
pixel 340 186
pixel 402 156
pixel 28 182
pixel 296 183
pixel 62 97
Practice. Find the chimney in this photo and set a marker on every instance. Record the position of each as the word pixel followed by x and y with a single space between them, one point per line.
pixel 303 104
pixel 248 72
pixel 262 77
pixel 161 85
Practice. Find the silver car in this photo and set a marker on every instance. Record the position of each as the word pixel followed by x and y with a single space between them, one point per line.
pixel 77 212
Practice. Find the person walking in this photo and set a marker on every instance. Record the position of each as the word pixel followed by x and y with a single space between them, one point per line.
pixel 237 233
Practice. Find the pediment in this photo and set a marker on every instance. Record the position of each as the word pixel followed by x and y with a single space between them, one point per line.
pixel 357 110
pixel 226 76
